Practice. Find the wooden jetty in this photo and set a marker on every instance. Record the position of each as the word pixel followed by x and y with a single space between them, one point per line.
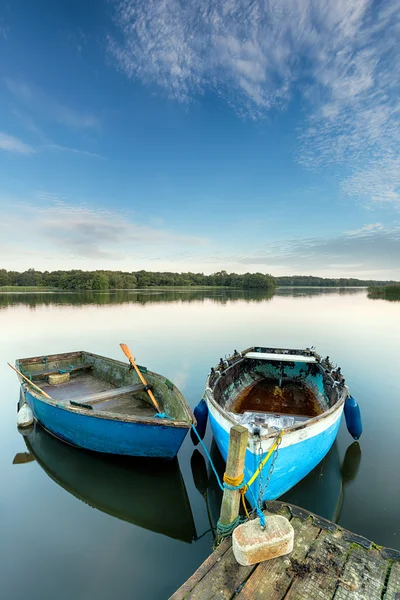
pixel 327 563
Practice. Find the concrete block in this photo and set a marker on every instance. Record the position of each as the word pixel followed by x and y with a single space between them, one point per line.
pixel 58 378
pixel 251 544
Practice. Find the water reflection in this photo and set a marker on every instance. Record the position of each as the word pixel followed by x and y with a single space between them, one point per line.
pixel 150 296
pixel 141 297
pixel 134 490
pixel 391 295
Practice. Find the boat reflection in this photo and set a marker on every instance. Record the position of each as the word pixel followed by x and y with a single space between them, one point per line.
pixel 150 493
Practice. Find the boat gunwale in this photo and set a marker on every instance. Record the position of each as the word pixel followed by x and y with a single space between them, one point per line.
pixel 105 414
pixel 338 406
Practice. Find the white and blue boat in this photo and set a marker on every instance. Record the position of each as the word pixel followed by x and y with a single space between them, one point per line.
pixel 100 404
pixel 280 395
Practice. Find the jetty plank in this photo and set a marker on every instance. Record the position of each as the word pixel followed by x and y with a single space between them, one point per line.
pixel 393 585
pixel 317 576
pixel 187 587
pixel 327 563
pixel 272 578
pixel 223 580
pixel 363 577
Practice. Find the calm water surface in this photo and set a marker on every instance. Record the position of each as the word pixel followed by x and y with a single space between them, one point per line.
pixel 73 525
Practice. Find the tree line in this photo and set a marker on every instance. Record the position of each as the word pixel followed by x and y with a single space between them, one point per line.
pixel 312 281
pixel 118 280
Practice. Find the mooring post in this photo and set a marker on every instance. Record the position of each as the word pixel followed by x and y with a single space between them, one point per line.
pixel 234 469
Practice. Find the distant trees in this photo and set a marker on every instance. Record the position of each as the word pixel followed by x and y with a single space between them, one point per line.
pixel 116 280
pixel 119 280
pixel 310 280
pixel 387 292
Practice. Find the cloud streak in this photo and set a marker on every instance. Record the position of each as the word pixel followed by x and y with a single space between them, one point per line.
pixel 9 143
pixel 76 232
pixel 372 248
pixel 339 58
pixel 49 108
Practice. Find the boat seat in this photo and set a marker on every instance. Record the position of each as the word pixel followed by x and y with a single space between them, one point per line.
pixel 56 371
pixel 89 401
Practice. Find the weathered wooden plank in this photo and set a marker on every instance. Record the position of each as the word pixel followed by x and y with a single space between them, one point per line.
pixel 393 585
pixel 317 576
pixel 108 394
pixel 324 565
pixel 56 371
pixel 198 575
pixel 363 577
pixel 271 579
pixel 222 581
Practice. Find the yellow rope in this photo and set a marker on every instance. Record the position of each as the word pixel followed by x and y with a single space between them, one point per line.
pixel 234 481
pixel 242 491
pixel 274 445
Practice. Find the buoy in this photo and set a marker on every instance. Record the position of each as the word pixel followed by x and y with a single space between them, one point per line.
pixel 353 417
pixel 24 417
pixel 201 414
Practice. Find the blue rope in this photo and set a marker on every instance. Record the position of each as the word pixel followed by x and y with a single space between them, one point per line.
pixel 163 416
pixel 209 458
pixel 223 485
pixel 67 370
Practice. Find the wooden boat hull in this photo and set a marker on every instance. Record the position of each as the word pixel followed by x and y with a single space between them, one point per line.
pixel 109 436
pixel 108 430
pixel 303 445
pixel 129 489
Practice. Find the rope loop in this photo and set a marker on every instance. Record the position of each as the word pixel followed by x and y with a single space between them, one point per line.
pixel 233 483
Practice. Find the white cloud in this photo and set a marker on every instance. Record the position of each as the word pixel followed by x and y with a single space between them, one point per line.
pixel 49 108
pixel 72 233
pixel 10 143
pixel 340 57
pixel 58 147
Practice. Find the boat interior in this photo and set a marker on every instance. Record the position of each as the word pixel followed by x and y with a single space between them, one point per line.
pixel 275 388
pixel 83 380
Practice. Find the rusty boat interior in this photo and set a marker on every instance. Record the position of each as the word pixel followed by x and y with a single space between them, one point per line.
pixel 275 388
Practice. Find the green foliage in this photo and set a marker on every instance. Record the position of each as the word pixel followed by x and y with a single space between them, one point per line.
pixel 387 292
pixel 77 280
pixel 311 281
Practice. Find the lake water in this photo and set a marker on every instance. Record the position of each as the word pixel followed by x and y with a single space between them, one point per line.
pixel 74 525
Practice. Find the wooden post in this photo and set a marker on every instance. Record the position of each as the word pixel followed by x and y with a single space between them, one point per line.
pixel 234 468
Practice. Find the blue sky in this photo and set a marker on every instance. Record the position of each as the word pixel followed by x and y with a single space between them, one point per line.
pixel 201 136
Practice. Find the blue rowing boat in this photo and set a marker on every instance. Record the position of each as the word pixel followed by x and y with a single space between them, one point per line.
pixel 101 404
pixel 291 401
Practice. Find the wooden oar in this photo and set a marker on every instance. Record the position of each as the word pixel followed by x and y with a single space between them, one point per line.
pixel 36 387
pixel 129 356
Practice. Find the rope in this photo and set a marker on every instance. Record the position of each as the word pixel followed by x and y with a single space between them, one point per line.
pixel 236 483
pixel 224 531
pixel 163 416
pixel 274 445
pixel 233 483
pixel 68 369
pixel 209 458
